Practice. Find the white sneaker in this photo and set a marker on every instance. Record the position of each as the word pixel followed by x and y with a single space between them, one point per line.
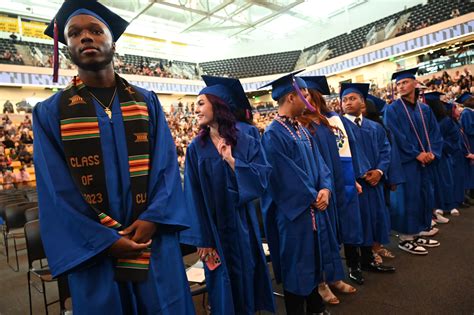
pixel 440 218
pixel 431 232
pixel 455 212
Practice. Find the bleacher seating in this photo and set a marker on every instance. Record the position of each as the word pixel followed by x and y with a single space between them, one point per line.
pixel 253 66
pixel 6 45
pixel 434 10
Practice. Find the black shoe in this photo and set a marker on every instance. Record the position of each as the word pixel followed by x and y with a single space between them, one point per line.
pixel 374 267
pixel 356 276
pixel 464 205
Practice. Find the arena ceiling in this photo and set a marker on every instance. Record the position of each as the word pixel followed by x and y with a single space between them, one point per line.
pixel 191 21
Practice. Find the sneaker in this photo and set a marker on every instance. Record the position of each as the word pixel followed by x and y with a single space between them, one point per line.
pixel 440 218
pixel 431 232
pixel 412 248
pixel 455 212
pixel 426 242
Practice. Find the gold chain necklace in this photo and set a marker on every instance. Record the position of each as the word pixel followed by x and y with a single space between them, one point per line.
pixel 107 109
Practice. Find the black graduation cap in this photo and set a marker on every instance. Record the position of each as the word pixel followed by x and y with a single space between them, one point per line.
pixel 284 85
pixel 463 97
pixel 230 90
pixel 359 88
pixel 318 83
pixel 405 74
pixel 433 96
pixel 70 8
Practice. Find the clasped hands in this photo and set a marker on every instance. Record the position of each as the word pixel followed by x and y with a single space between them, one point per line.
pixel 373 177
pixel 425 157
pixel 135 239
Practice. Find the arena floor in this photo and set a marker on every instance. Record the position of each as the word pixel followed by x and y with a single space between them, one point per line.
pixel 440 283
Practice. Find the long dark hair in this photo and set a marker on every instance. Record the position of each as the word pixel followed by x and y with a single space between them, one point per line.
pixel 244 115
pixel 224 119
pixel 438 109
pixel 371 112
pixel 318 102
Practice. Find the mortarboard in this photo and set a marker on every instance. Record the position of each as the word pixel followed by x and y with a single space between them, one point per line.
pixel 285 85
pixel 71 8
pixel 405 74
pixel 318 83
pixel 433 96
pixel 378 102
pixel 359 88
pixel 229 90
pixel 463 97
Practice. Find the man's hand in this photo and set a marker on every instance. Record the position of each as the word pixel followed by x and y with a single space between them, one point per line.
pixel 358 188
pixel 126 248
pixel 373 177
pixel 431 157
pixel 423 158
pixel 140 231
pixel 322 201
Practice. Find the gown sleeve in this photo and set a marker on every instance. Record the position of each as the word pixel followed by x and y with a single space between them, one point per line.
pixel 166 201
pixel 324 178
pixel 384 149
pixel 435 135
pixel 200 233
pixel 450 136
pixel 70 230
pixel 252 173
pixel 291 188
pixel 467 122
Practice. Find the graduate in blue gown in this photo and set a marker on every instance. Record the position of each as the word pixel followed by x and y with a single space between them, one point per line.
pixel 374 107
pixel 243 110
pixel 467 129
pixel 225 171
pixel 458 158
pixel 375 148
pixel 296 199
pixel 324 136
pixel 444 179
pixel 76 243
pixel 416 132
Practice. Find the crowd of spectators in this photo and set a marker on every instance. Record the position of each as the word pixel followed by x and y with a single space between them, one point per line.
pixel 183 124
pixel 9 57
pixel 16 152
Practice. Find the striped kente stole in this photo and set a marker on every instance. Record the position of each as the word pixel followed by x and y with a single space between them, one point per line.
pixel 81 140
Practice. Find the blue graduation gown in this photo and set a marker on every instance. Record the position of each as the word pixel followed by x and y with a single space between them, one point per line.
pixel 412 203
pixel 459 162
pixel 74 239
pixel 467 124
pixel 444 181
pixel 374 145
pixel 251 130
pixel 326 142
pixel 350 221
pixel 224 217
pixel 394 175
pixel 299 172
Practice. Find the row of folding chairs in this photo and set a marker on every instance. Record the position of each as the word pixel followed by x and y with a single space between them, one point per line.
pixel 20 222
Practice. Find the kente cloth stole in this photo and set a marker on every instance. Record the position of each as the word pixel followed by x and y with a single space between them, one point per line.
pixel 82 147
